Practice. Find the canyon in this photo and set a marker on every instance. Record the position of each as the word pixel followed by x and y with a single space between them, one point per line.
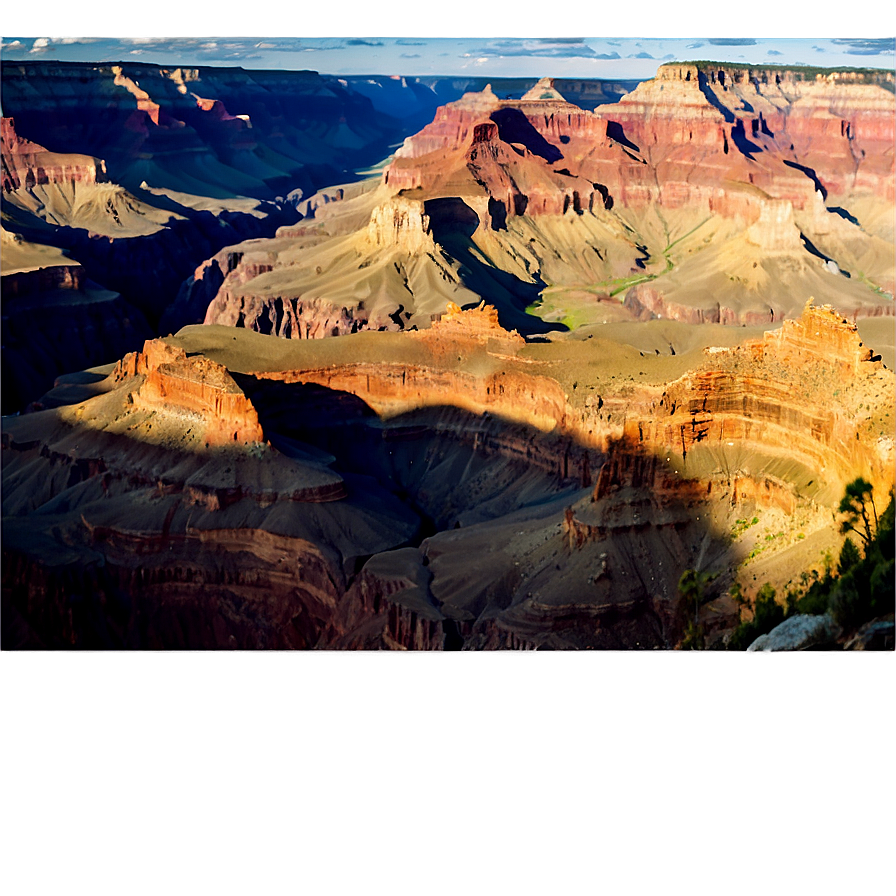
pixel 136 174
pixel 449 364
pixel 439 489
pixel 708 194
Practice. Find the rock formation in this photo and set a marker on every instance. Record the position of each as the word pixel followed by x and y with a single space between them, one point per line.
pixel 689 198
pixel 798 633
pixel 247 491
pixel 141 173
pixel 27 164
pixel 193 386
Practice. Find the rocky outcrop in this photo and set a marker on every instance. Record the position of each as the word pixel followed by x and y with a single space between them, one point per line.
pixel 452 127
pixel 824 339
pixel 798 633
pixel 197 386
pixel 502 150
pixel 478 325
pixel 26 164
pixel 747 395
pixel 402 224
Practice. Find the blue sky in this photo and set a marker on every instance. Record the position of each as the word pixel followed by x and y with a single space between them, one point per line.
pixel 559 57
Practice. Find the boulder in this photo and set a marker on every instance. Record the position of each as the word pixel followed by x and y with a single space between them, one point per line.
pixel 799 633
pixel 875 635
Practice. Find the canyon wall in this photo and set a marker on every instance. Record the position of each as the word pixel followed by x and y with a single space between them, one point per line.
pixel 460 499
pixel 689 196
pixel 27 164
pixel 139 173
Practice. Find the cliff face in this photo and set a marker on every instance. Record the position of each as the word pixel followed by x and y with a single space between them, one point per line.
pixel 839 123
pixel 675 138
pixel 747 394
pixel 27 164
pixel 502 149
pixel 400 223
pixel 245 131
pixel 193 386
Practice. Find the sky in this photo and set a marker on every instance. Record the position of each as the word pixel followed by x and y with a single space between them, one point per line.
pixel 491 57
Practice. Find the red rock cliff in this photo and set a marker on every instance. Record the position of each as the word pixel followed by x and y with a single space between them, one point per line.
pixel 176 382
pixel 26 164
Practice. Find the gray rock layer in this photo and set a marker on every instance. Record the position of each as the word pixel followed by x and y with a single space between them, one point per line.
pixel 798 633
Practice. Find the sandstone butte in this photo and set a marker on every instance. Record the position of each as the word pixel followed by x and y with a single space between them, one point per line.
pixel 708 194
pixel 429 490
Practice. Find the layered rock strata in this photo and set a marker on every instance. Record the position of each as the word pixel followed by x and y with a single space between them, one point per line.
pixel 27 164
pixel 558 521
pixel 140 172
pixel 688 197
pixel 192 386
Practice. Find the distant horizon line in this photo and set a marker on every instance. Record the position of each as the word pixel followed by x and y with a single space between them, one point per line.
pixel 763 66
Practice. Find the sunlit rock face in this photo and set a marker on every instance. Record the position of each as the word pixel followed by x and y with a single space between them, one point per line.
pixel 400 223
pixel 27 164
pixel 685 132
pixel 507 148
pixel 193 386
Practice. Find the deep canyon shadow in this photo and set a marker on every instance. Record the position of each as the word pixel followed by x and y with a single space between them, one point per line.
pixel 453 224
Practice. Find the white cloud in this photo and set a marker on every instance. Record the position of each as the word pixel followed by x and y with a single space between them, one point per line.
pixel 482 60
pixel 40 45
pixel 211 45
pixel 14 43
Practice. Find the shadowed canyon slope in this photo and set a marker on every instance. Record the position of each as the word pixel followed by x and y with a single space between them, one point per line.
pixel 709 194
pixel 441 489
